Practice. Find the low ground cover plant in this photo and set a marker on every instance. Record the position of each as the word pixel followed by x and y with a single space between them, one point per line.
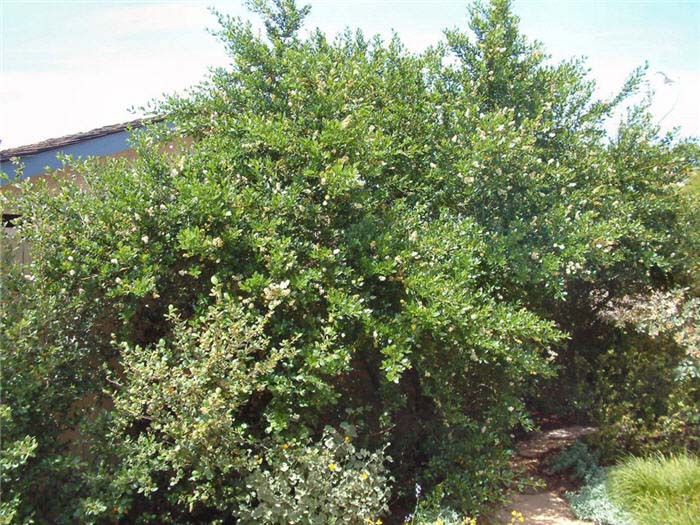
pixel 331 239
pixel 592 500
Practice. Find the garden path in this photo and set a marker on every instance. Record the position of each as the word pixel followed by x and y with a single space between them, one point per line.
pixel 546 506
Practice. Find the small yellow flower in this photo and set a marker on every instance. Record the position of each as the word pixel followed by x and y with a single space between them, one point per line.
pixel 379 521
pixel 332 466
pixel 364 475
pixel 347 439
pixel 285 446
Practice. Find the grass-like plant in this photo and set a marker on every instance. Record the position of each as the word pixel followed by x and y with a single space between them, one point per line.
pixel 660 489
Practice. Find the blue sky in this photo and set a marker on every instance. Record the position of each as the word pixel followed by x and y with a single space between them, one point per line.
pixel 70 66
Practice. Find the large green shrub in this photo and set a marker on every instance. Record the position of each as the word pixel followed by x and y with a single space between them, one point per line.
pixel 329 233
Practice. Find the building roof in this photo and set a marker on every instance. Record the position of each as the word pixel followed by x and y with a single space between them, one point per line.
pixel 59 142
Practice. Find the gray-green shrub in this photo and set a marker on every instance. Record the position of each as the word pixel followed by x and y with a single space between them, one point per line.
pixel 327 482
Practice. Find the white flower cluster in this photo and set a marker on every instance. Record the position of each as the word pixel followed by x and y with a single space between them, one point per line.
pixel 275 293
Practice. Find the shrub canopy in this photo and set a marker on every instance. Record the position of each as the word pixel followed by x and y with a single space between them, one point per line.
pixel 329 234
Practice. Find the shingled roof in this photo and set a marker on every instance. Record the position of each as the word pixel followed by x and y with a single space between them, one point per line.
pixel 50 144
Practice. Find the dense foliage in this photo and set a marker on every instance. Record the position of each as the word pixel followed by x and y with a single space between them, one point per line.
pixel 338 271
